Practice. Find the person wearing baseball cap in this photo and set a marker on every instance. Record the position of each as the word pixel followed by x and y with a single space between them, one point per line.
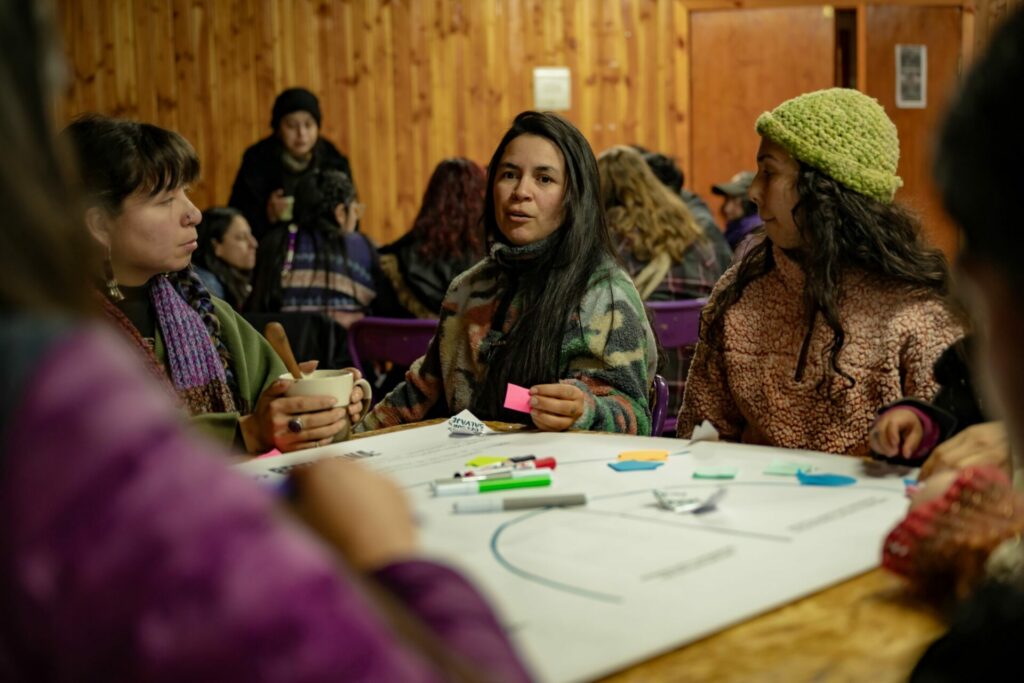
pixel 271 169
pixel 739 212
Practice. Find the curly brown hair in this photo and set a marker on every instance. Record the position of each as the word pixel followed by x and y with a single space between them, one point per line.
pixel 643 213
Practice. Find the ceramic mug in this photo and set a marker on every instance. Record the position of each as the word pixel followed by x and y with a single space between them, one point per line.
pixel 336 383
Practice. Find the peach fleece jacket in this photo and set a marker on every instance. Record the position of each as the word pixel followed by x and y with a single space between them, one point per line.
pixel 747 386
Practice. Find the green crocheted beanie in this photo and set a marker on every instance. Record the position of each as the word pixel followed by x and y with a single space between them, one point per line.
pixel 844 134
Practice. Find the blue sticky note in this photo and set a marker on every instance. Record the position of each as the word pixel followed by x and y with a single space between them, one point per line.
pixel 824 479
pixel 634 465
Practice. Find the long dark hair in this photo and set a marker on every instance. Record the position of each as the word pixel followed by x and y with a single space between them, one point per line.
pixel 118 158
pixel 449 222
pixel 45 262
pixel 317 195
pixel 216 222
pixel 554 283
pixel 841 230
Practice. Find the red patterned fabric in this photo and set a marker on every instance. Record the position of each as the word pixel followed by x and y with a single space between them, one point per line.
pixel 942 546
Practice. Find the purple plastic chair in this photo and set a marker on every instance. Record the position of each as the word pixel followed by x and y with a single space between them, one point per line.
pixel 660 407
pixel 396 340
pixel 676 323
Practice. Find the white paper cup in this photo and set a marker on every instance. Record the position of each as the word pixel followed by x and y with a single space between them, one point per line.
pixel 289 208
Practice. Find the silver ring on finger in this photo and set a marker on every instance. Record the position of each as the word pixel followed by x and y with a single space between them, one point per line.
pixel 295 425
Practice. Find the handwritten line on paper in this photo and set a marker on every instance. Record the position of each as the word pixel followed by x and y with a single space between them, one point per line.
pixel 353 455
pixel 677 521
pixel 517 398
pixel 692 564
pixel 838 513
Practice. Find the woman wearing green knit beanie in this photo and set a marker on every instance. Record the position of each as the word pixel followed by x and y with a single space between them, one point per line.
pixel 840 308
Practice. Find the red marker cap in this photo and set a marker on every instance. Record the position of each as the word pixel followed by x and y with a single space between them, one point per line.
pixel 548 463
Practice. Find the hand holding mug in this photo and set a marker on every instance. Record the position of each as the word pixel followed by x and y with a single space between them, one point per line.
pixel 314 411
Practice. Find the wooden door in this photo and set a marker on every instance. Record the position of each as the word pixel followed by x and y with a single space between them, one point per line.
pixel 743 62
pixel 938 28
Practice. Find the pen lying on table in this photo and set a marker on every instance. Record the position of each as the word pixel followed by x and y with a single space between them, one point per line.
pixel 461 487
pixel 503 504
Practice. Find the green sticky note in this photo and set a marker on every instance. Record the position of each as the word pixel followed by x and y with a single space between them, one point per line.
pixel 716 473
pixel 483 460
pixel 786 468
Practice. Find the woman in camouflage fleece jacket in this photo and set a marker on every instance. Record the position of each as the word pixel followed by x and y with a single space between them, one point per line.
pixel 548 309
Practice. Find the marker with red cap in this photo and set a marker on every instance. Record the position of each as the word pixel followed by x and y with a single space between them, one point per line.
pixel 511 465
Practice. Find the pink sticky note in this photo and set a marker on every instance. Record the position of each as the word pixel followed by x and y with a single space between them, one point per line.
pixel 517 398
pixel 269 454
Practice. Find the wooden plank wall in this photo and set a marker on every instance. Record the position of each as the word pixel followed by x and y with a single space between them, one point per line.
pixel 934 27
pixel 737 73
pixel 403 83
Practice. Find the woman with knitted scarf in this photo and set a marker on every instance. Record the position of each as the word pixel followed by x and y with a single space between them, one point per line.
pixel 548 309
pixel 225 374
pixel 659 241
pixel 841 308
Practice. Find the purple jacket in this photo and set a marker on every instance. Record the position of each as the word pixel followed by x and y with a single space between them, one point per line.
pixel 130 552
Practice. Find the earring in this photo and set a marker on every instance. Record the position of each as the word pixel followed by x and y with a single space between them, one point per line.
pixel 113 291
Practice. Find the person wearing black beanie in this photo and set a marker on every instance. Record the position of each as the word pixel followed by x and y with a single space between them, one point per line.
pixel 272 168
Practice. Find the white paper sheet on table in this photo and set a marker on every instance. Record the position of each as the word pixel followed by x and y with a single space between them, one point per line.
pixel 586 591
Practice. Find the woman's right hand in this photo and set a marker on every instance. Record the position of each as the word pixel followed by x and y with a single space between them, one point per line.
pixel 364 515
pixel 268 425
pixel 893 428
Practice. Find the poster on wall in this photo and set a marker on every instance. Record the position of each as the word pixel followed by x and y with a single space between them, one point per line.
pixel 552 88
pixel 911 76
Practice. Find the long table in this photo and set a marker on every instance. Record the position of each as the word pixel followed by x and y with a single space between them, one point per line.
pixel 777 584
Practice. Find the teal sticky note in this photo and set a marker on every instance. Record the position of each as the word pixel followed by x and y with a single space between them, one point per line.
pixel 786 468
pixel 825 479
pixel 721 472
pixel 634 465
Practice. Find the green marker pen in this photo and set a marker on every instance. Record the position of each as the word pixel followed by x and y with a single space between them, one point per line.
pixel 464 488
